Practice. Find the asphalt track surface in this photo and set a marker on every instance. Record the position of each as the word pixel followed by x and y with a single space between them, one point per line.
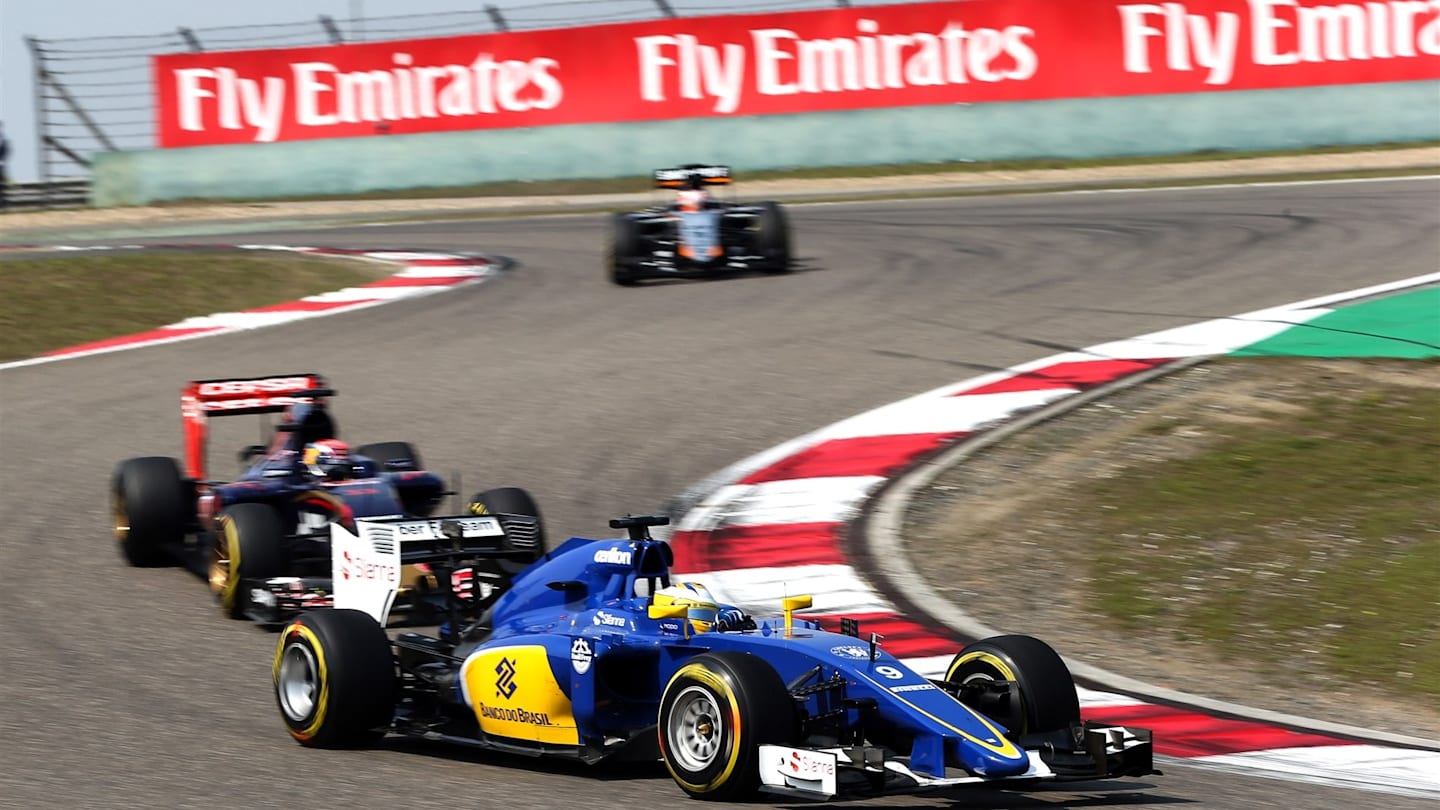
pixel 126 688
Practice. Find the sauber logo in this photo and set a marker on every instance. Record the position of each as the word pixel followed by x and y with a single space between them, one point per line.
pixel 612 556
pixel 353 566
pixel 269 385
pixel 505 678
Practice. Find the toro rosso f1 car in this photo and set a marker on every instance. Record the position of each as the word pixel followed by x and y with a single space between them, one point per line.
pixel 263 540
pixel 587 654
pixel 696 234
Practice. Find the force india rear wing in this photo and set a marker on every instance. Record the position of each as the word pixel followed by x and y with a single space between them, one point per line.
pixel 365 563
pixel 201 399
pixel 692 176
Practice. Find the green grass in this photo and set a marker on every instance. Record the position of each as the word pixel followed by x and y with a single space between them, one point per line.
pixel 54 302
pixel 1313 536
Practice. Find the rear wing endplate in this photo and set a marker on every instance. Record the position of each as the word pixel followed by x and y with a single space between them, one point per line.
pixel 692 176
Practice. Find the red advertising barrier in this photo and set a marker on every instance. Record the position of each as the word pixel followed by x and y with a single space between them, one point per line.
pixel 808 61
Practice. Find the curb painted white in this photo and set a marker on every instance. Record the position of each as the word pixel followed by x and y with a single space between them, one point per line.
pixel 419 273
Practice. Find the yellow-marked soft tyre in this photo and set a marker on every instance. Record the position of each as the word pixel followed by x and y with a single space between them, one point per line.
pixel 1047 697
pixel 717 710
pixel 149 513
pixel 335 679
pixel 249 545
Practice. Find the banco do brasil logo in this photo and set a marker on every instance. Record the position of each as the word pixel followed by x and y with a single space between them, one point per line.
pixel 505 677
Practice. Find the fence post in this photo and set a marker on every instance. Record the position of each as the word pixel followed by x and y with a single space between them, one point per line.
pixel 42 129
pixel 331 30
pixel 497 18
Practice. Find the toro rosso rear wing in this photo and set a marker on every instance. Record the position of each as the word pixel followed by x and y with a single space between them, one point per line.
pixel 692 176
pixel 366 562
pixel 202 399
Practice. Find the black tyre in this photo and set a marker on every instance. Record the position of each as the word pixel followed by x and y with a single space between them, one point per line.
pixel 1047 691
pixel 513 501
pixel 772 238
pixel 624 250
pixel 249 544
pixel 392 456
pixel 717 711
pixel 148 508
pixel 335 679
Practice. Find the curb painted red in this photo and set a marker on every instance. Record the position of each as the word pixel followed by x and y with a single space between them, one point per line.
pixel 417 273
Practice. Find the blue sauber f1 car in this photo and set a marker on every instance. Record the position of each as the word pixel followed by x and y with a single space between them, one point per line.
pixel 696 234
pixel 263 540
pixel 585 654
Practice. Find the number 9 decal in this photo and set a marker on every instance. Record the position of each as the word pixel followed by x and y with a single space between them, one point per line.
pixel 890 672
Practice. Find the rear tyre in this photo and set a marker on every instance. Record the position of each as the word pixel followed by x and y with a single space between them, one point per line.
pixel 334 678
pixel 148 510
pixel 716 712
pixel 772 238
pixel 624 250
pixel 249 545
pixel 513 501
pixel 1048 700
pixel 392 456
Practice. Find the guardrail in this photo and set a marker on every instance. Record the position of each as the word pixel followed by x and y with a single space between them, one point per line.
pixel 68 193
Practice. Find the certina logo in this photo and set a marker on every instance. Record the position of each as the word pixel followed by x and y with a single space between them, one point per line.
pixel 612 556
pixel 228 388
pixel 609 619
pixel 515 715
pixel 850 651
pixel 505 678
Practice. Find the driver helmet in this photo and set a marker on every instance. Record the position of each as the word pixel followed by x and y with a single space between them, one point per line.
pixel 691 199
pixel 327 458
pixel 703 608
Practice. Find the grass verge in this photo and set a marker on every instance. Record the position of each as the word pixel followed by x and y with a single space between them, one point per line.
pixel 50 303
pixel 1304 538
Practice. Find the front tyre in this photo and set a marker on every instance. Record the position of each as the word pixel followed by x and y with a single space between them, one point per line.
pixel 716 712
pixel 624 250
pixel 249 545
pixel 148 510
pixel 392 456
pixel 1047 697
pixel 335 679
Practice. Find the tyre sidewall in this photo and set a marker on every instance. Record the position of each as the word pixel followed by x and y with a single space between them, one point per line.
pixel 253 538
pixel 357 686
pixel 756 709
pixel 1047 690
pixel 151 494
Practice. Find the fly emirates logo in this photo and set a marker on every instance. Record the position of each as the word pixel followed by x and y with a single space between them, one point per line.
pixel 782 63
pixel 318 94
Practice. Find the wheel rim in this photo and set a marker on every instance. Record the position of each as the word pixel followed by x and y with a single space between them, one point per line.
pixel 119 517
pixel 219 570
pixel 696 729
pixel 298 683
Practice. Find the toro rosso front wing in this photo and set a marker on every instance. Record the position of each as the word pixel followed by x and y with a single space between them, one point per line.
pixel 827 773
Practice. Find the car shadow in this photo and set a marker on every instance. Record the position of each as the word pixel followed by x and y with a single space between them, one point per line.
pixel 613 770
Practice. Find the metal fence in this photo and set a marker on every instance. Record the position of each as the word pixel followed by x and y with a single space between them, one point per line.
pixel 94 94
